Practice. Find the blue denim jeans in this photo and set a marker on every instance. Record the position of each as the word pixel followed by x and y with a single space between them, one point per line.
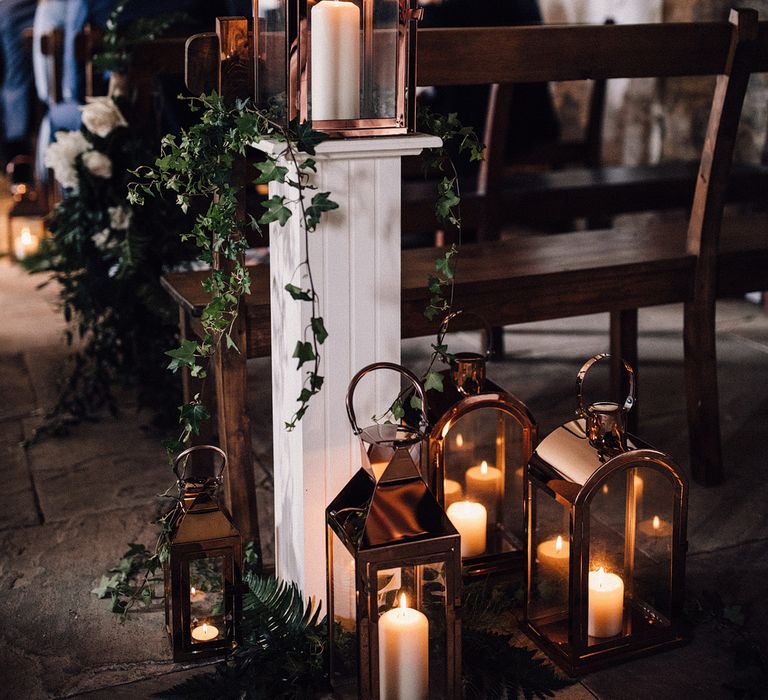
pixel 15 16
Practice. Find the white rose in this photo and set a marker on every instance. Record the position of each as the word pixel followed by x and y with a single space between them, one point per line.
pixel 101 116
pixel 99 164
pixel 100 239
pixel 120 218
pixel 61 155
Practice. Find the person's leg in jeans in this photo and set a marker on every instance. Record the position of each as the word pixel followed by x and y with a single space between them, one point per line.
pixel 15 16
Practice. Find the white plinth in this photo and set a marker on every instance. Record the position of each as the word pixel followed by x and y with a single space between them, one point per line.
pixel 355 256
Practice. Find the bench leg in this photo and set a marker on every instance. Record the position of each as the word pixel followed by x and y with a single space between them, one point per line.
pixel 702 394
pixel 624 347
pixel 235 434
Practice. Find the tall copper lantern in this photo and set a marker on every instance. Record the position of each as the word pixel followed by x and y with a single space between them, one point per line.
pixel 348 66
pixel 203 570
pixel 393 571
pixel 480 441
pixel 606 540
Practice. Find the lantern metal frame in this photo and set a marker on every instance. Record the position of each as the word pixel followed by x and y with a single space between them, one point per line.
pixel 202 528
pixel 617 452
pixel 389 523
pixel 294 54
pixel 446 409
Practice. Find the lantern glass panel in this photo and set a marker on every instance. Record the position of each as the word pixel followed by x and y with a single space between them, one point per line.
pixel 272 62
pixel 344 629
pixel 206 598
pixel 485 455
pixel 550 533
pixel 422 588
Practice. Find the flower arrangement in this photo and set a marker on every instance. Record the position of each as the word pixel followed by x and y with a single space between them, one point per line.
pixel 107 257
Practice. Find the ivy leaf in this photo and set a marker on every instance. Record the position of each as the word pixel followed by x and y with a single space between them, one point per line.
pixel 398 412
pixel 316 382
pixel 320 203
pixel 443 265
pixel 318 328
pixel 194 414
pixel 433 380
pixel 276 211
pixel 297 292
pixel 416 402
pixel 446 201
pixel 270 172
pixel 183 356
pixel 307 138
pixel 303 352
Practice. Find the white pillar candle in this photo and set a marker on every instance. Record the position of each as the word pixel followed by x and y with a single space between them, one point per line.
pixel 335 57
pixel 471 520
pixel 484 484
pixel 403 654
pixel 606 604
pixel 553 556
pixel 25 244
pixel 205 632
pixel 452 492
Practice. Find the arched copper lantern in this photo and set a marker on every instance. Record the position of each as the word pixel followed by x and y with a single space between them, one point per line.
pixel 606 520
pixel 203 570
pixel 348 66
pixel 394 570
pixel 481 438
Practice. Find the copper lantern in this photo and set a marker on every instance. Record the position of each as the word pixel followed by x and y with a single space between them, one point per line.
pixel 606 520
pixel 394 571
pixel 203 569
pixel 348 66
pixel 480 441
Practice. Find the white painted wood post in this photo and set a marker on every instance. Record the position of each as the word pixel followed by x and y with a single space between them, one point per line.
pixel 355 257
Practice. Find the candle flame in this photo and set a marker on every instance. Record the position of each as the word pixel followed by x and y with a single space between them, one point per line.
pixel 600 577
pixel 459 440
pixel 403 602
pixel 605 488
pixel 205 628
pixel 192 590
pixel 656 522
pixel 26 236
pixel 484 467
pixel 559 544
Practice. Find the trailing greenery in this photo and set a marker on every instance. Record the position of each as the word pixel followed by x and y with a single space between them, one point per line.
pixel 284 652
pixel 107 258
pixel 121 39
pixel 202 163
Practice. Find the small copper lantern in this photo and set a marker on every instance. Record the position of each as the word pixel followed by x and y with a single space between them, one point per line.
pixel 480 441
pixel 606 520
pixel 394 571
pixel 349 66
pixel 202 573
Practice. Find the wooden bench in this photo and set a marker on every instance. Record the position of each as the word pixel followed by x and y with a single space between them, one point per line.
pixel 553 276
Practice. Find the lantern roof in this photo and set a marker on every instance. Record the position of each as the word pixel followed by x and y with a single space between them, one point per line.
pixel 202 518
pixel 397 509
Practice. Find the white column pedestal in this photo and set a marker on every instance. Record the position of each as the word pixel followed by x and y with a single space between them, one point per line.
pixel 355 258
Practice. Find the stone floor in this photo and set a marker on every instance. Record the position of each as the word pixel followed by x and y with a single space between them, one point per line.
pixel 72 504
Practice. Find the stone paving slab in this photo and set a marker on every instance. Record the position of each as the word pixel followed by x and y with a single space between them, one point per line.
pixel 19 507
pixel 141 689
pixel 19 399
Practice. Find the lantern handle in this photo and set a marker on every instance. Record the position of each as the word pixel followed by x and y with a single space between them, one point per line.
pixel 486 326
pixel 199 448
pixel 628 402
pixel 410 376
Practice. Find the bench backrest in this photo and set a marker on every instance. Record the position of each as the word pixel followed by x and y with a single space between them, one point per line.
pixel 506 55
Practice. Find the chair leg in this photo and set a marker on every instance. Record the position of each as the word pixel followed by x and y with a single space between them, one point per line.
pixel 624 347
pixel 235 434
pixel 702 393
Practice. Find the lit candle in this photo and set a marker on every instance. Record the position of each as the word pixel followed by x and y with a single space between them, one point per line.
pixel 471 520
pixel 484 485
pixel 196 596
pixel 452 491
pixel 25 244
pixel 606 604
pixel 205 632
pixel 403 654
pixel 553 556
pixel 655 527
pixel 335 71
